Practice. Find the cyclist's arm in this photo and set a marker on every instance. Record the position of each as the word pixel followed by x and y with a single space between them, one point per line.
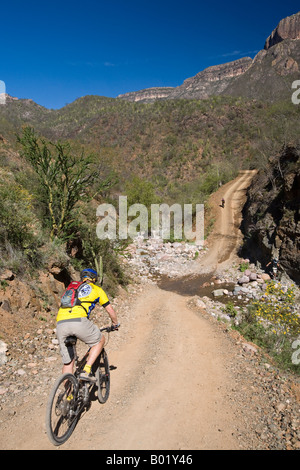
pixel 112 314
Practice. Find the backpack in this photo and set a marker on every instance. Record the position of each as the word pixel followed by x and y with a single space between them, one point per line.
pixel 70 297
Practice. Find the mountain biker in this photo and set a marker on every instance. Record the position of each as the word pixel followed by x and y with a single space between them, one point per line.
pixel 75 321
pixel 223 202
pixel 275 266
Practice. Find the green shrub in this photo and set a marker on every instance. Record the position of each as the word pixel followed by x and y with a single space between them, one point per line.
pixel 16 215
pixel 244 266
pixel 273 323
pixel 230 310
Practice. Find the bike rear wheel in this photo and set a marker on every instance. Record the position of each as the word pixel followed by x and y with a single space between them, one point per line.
pixel 102 375
pixel 61 415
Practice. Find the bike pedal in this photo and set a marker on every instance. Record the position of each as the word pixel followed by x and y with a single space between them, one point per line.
pixel 88 379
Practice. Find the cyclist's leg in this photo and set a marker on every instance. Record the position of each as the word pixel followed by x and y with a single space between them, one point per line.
pixel 91 335
pixel 64 329
pixel 68 368
pixel 95 351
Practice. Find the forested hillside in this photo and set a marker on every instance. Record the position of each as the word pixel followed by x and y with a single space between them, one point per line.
pixel 167 151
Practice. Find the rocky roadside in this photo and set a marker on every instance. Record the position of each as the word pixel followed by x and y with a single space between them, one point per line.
pixel 32 361
pixel 273 414
pixel 30 364
pixel 266 400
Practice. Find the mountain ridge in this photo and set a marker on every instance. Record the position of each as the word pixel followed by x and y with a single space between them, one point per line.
pixel 278 61
pixel 280 58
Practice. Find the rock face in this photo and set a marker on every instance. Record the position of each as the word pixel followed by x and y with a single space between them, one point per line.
pixel 271 215
pixel 271 74
pixel 147 95
pixel 266 77
pixel 288 28
pixel 211 81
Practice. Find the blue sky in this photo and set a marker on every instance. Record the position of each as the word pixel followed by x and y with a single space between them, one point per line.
pixel 55 52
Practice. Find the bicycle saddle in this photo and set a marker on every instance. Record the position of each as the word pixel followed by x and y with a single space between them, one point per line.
pixel 70 340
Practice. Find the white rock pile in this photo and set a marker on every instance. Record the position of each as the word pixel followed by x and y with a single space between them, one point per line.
pixel 153 256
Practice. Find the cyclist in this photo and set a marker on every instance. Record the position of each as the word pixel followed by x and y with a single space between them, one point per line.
pixel 223 202
pixel 275 266
pixel 75 321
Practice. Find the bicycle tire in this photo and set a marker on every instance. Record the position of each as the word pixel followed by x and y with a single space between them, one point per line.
pixel 102 375
pixel 61 416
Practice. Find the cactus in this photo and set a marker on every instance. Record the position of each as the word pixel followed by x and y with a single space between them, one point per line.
pixel 99 268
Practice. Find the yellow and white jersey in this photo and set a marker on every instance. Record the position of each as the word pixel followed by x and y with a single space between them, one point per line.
pixel 89 296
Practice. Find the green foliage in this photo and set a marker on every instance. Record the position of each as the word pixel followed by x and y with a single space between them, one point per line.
pixel 140 191
pixel 93 250
pixel 273 324
pixel 101 255
pixel 277 308
pixel 230 310
pixel 62 185
pixel 244 266
pixel 16 214
pixel 181 138
pixel 65 179
pixel 20 230
pixel 175 151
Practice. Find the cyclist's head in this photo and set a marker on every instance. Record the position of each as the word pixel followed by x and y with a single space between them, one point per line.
pixel 89 274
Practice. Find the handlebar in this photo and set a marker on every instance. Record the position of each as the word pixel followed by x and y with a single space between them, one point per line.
pixel 108 329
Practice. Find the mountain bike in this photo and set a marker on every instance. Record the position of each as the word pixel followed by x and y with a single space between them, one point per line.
pixel 71 396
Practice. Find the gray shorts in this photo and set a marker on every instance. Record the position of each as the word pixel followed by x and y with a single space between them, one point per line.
pixel 82 328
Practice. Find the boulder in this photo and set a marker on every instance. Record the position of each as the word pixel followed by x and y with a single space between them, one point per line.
pixel 5 304
pixel 236 290
pixel 3 349
pixel 249 348
pixel 200 303
pixel 243 280
pixel 7 275
pixel 217 293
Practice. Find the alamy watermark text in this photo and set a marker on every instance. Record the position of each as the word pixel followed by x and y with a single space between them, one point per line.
pixel 161 220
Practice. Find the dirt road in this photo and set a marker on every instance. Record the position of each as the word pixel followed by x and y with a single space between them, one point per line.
pixel 172 379
pixel 168 389
pixel 226 236
pixel 171 388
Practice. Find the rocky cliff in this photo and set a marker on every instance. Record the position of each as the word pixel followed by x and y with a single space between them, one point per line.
pixel 148 95
pixel 271 223
pixel 211 81
pixel 288 28
pixel 271 74
pixel 268 76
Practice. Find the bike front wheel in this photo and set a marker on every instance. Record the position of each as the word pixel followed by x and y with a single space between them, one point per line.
pixel 61 415
pixel 102 375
